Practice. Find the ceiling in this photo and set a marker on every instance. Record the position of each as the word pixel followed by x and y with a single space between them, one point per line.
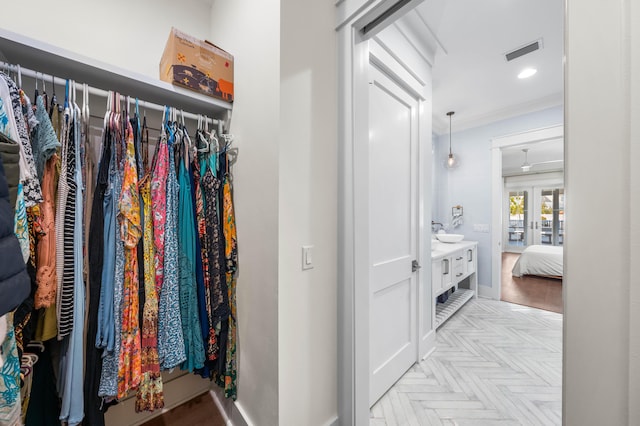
pixel 542 156
pixel 470 73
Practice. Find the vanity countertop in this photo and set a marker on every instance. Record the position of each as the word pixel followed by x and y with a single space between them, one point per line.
pixel 441 249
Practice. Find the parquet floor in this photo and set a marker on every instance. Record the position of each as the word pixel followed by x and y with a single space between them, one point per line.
pixel 496 363
pixel 529 290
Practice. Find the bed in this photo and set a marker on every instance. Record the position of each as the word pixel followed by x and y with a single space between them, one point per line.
pixel 540 260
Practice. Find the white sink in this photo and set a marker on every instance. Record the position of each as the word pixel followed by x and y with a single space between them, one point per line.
pixel 450 238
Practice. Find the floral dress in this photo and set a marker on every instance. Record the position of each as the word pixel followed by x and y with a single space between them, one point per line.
pixel 9 374
pixel 150 393
pixel 209 336
pixel 129 369
pixel 231 255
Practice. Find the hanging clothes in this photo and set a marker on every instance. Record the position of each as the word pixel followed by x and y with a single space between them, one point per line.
pixel 109 376
pixel 9 373
pixel 10 126
pixel 204 301
pixel 29 180
pixel 129 370
pixel 105 334
pixel 160 266
pixel 67 196
pixel 43 138
pixel 194 347
pixel 210 187
pixel 219 295
pixel 207 320
pixel 94 415
pixel 150 393
pixel 46 279
pixel 170 337
pixel 231 256
pixel 72 410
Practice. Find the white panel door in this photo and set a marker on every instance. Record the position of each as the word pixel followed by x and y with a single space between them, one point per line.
pixel 393 141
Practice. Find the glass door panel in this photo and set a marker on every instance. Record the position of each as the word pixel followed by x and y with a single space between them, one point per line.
pixel 518 213
pixel 549 229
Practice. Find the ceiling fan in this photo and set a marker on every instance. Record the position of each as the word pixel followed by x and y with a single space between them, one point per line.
pixel 526 166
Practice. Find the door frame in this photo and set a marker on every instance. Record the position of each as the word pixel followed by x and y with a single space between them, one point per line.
pixel 497 191
pixel 355 50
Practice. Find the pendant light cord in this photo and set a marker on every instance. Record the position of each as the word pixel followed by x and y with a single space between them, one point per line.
pixel 450 113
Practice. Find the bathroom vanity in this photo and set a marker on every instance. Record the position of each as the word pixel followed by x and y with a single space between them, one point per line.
pixel 453 265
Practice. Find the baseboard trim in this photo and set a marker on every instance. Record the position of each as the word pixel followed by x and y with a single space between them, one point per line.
pixel 485 292
pixel 430 341
pixel 232 412
pixel 333 422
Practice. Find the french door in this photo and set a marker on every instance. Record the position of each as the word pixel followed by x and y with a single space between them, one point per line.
pixel 535 215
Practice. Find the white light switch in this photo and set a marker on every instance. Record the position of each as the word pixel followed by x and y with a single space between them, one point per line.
pixel 481 227
pixel 307 257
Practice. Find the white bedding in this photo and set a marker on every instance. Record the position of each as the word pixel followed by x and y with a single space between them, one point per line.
pixel 539 260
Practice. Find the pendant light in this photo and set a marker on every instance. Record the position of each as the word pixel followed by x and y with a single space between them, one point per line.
pixel 452 161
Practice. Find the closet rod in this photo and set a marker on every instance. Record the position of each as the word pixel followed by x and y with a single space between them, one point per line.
pixel 47 78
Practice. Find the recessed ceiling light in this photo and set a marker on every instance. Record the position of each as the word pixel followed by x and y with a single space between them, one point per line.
pixel 527 72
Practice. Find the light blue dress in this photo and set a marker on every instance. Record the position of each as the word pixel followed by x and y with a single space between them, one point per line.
pixel 72 407
pixel 109 377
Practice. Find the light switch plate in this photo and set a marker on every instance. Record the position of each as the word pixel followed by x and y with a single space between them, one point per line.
pixel 307 257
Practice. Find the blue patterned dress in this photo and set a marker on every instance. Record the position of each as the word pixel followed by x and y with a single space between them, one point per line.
pixel 170 337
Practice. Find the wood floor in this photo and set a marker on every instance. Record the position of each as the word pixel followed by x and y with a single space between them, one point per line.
pixel 537 292
pixel 495 363
pixel 200 411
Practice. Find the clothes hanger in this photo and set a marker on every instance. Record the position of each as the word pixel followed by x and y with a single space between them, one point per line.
pixel 36 344
pixel 201 135
pixel 19 77
pixel 45 97
pixel 54 100
pixel 107 115
pixel 188 147
pixel 144 142
pixel 36 93
pixel 86 117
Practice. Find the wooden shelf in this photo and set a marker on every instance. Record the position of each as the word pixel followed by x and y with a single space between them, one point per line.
pixel 444 311
pixel 40 56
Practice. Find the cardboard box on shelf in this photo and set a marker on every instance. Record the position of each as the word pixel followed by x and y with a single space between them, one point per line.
pixel 198 65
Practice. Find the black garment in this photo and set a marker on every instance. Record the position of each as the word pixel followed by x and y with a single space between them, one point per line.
pixel 44 406
pixel 25 318
pixel 14 280
pixel 10 153
pixel 94 414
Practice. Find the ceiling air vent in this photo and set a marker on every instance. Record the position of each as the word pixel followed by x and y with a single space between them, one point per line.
pixel 521 51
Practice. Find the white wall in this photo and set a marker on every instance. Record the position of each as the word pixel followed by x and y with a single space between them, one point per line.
pixel 601 344
pixel 129 34
pixel 307 319
pixel 470 184
pixel 251 31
